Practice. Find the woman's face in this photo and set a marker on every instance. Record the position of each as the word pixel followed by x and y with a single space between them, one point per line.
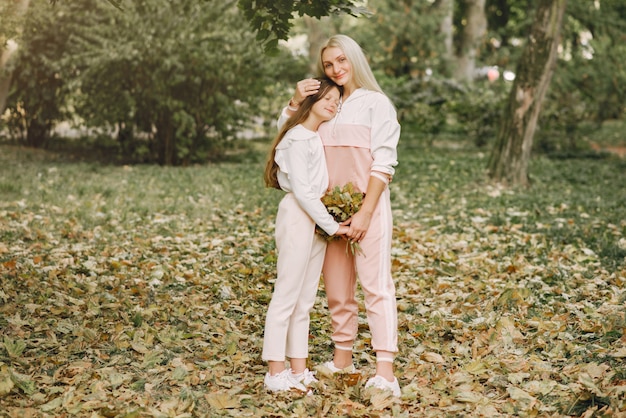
pixel 326 107
pixel 336 66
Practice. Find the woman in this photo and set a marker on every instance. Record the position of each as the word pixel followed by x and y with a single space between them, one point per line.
pixel 360 145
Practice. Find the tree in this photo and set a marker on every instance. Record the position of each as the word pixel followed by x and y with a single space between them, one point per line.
pixel 446 28
pixel 38 84
pixel 472 35
pixel 510 157
pixel 272 19
pixel 402 39
pixel 11 13
pixel 176 80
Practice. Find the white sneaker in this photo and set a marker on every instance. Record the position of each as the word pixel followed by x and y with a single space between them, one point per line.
pixel 329 366
pixel 380 382
pixel 282 382
pixel 307 377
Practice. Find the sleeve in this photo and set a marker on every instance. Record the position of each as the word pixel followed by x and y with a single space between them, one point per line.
pixel 302 186
pixel 385 133
pixel 282 118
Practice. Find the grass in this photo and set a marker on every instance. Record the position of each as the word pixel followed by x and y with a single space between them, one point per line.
pixel 572 201
pixel 142 289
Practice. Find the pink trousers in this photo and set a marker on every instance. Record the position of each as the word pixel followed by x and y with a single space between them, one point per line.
pixel 300 257
pixel 373 271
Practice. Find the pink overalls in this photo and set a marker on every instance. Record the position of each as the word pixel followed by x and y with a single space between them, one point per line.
pixel 362 139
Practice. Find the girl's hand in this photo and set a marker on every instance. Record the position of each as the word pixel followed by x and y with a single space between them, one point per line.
pixel 305 88
pixel 343 230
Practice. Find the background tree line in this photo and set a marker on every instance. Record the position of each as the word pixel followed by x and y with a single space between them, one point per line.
pixel 177 84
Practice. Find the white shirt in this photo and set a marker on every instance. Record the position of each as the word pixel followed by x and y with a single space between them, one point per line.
pixel 302 171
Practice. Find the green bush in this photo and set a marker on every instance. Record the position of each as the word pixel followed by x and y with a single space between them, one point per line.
pixel 441 106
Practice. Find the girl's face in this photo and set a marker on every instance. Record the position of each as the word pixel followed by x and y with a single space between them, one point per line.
pixel 326 107
pixel 336 66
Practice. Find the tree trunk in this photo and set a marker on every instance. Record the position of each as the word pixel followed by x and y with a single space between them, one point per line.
pixel 446 27
pixel 166 142
pixel 473 33
pixel 37 133
pixel 5 55
pixel 509 159
pixel 316 36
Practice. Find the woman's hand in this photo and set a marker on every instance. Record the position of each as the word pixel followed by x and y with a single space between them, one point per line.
pixel 305 88
pixel 359 224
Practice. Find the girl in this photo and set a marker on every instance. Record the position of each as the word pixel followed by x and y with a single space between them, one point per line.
pixel 360 145
pixel 297 166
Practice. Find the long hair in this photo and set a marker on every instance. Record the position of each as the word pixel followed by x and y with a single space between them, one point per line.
pixel 271 168
pixel 362 73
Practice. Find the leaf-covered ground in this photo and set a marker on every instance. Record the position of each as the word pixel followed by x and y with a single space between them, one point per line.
pixel 141 292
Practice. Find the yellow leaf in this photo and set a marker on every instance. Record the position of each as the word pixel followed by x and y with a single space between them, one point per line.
pixel 468 396
pixel 169 405
pixel 596 370
pixel 524 398
pixel 52 405
pixel 222 400
pixel 476 367
pixel 460 378
pixel 14 348
pixel 138 347
pixel 6 383
pixel 432 357
pixel 620 353
pixel 542 387
pixel 588 382
pixel 517 378
pixel 381 399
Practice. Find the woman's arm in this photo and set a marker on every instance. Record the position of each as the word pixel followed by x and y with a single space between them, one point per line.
pixel 385 132
pixel 360 221
pixel 304 88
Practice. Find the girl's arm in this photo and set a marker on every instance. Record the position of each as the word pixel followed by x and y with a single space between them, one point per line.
pixel 299 169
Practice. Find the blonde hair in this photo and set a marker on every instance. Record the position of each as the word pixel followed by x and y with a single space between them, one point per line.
pixel 362 73
pixel 271 168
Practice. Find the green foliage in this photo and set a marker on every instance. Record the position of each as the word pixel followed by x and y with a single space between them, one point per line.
pixel 272 19
pixel 176 82
pixel 435 106
pixel 585 91
pixel 39 83
pixel 478 111
pixel 508 21
pixel 402 39
pixel 156 81
pixel 10 23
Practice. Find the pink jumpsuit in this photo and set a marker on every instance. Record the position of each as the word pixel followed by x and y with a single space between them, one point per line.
pixel 362 139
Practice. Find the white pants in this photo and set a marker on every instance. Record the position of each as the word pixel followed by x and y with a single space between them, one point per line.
pixel 300 258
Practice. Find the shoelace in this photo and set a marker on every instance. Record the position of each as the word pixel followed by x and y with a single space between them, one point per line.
pixel 307 376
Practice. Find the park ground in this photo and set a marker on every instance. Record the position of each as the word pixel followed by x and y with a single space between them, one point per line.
pixel 141 291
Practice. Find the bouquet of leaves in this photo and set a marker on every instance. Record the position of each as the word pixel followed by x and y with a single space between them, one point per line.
pixel 342 203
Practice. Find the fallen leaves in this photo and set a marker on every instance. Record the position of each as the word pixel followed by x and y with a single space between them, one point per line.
pixel 155 306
